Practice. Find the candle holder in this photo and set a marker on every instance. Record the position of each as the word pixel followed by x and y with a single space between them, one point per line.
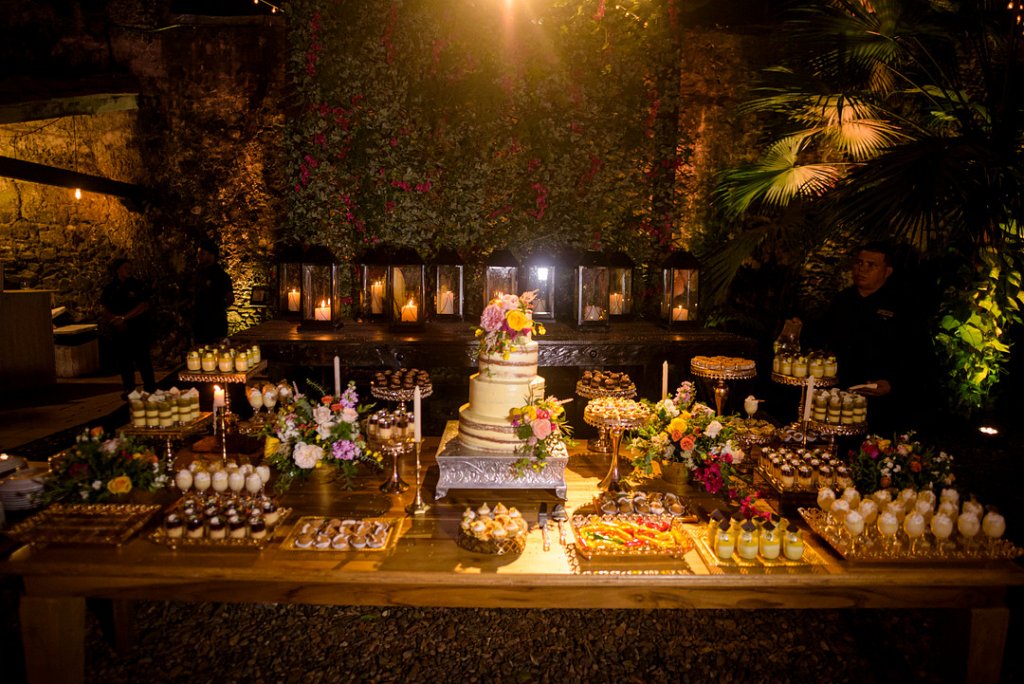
pixel 418 507
pixel 679 303
pixel 620 287
pixel 406 287
pixel 541 277
pixel 501 275
pixel 448 285
pixel 321 290
pixel 395 484
pixel 591 292
pixel 373 290
pixel 289 283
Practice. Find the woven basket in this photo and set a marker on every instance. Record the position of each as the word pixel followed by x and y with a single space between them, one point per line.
pixel 494 547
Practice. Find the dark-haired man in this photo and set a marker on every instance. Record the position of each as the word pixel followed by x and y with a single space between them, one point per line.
pixel 212 295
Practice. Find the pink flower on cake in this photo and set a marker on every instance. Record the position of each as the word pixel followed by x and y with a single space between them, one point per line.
pixel 493 318
pixel 541 428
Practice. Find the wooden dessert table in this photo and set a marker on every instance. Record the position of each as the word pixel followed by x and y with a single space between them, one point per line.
pixel 426 568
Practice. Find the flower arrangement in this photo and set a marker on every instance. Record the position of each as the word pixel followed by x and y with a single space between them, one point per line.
pixel 100 466
pixel 542 426
pixel 904 462
pixel 506 322
pixel 307 434
pixel 682 431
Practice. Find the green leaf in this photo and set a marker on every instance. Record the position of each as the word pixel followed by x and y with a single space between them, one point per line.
pixel 972 336
pixel 949 323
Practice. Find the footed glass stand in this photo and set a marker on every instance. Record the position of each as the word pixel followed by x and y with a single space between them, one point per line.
pixel 170 435
pixel 616 421
pixel 720 377
pixel 401 395
pixel 394 449
pixel 602 445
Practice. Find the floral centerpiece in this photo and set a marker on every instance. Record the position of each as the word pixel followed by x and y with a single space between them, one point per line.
pixel 681 431
pixel 307 434
pixel 904 462
pixel 542 426
pixel 506 322
pixel 100 466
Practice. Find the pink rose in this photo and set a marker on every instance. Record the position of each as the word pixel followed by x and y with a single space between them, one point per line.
pixel 687 443
pixel 541 428
pixel 492 319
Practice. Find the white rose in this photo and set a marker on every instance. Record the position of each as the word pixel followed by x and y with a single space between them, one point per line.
pixel 96 484
pixel 714 427
pixel 110 446
pixel 306 456
pixel 349 415
pixel 322 415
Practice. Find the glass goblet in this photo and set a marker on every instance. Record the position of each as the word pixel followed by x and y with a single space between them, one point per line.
pixel 201 480
pixel 854 524
pixel 994 526
pixel 270 399
pixel 942 528
pixel 914 525
pixel 236 480
pixel 255 397
pixel 968 526
pixel 888 526
pixel 219 481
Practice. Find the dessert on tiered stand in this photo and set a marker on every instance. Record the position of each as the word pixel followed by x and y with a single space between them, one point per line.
pixel 481 452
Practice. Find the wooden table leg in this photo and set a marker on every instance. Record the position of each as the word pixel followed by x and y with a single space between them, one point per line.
pixel 986 643
pixel 53 637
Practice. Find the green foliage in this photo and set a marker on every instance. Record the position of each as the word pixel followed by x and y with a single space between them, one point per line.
pixel 973 325
pixel 476 126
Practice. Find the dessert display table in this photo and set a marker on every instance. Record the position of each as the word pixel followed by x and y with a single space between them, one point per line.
pixel 170 435
pixel 426 568
pixel 223 378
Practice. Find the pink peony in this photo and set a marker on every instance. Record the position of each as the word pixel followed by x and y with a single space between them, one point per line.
pixel 492 319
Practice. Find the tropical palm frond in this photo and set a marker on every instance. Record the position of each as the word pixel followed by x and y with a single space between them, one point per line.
pixel 863 139
pixel 777 178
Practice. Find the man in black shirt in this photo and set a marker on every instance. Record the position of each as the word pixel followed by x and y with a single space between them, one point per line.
pixel 870 329
pixel 125 302
pixel 212 295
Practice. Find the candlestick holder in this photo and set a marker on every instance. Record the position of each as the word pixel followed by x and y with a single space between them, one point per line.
pixel 417 507
pixel 394 484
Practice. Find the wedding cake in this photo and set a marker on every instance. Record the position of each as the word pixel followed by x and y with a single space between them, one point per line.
pixel 504 381
pixel 506 378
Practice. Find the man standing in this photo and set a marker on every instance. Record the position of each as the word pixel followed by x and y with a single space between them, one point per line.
pixel 869 329
pixel 212 295
pixel 125 302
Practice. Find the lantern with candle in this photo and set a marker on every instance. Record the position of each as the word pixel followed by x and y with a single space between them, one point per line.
pixel 679 305
pixel 620 287
pixel 541 269
pixel 406 286
pixel 321 290
pixel 448 280
pixel 289 282
pixel 373 283
pixel 591 291
pixel 501 275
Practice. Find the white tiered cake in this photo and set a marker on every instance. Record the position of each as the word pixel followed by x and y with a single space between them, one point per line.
pixel 500 385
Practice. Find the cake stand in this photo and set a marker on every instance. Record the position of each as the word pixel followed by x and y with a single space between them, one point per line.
pixel 400 394
pixel 616 420
pixel 720 377
pixel 170 434
pixel 833 430
pixel 220 378
pixel 602 445
pixel 823 382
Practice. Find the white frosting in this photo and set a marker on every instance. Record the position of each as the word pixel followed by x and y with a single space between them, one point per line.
pixel 501 385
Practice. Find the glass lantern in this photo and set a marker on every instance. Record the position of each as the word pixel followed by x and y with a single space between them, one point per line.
pixel 501 275
pixel 289 282
pixel 679 306
pixel 406 287
pixel 321 290
pixel 620 286
pixel 448 277
pixel 591 292
pixel 540 276
pixel 373 285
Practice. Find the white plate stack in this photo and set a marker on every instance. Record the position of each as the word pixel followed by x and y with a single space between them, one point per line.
pixel 19 491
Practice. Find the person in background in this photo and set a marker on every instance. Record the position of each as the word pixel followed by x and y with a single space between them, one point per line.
pixel 126 309
pixel 874 334
pixel 212 294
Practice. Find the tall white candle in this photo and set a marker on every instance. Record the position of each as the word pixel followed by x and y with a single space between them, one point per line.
pixel 377 297
pixel 416 413
pixel 664 380
pixel 446 302
pixel 337 377
pixel 808 400
pixel 218 397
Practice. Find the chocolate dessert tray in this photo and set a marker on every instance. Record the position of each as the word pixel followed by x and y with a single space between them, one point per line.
pixel 313 526
pixel 629 535
pixel 110 524
pixel 656 504
pixel 871 548
pixel 811 559
pixel 160 536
